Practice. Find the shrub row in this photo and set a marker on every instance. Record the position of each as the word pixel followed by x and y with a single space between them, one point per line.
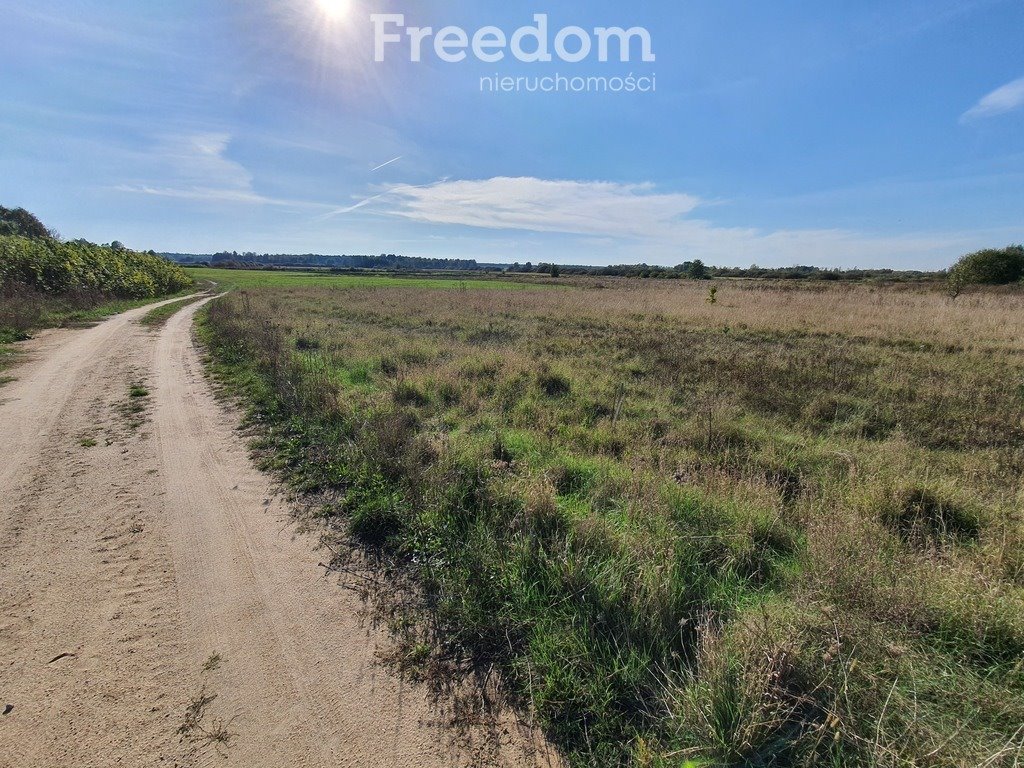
pixel 57 268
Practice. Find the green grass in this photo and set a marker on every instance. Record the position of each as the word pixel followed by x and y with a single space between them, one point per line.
pixel 227 279
pixel 8 357
pixel 72 317
pixel 55 312
pixel 157 318
pixel 762 532
pixel 61 317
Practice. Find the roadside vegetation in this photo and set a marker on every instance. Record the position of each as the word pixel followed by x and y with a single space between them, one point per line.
pixel 783 528
pixel 158 317
pixel 45 281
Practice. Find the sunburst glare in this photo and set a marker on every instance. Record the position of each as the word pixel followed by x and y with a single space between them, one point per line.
pixel 335 9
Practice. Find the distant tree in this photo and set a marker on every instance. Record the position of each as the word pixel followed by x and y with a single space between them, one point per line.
pixel 18 221
pixel 555 271
pixel 698 271
pixel 990 267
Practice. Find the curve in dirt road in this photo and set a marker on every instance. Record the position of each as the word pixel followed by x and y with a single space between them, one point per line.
pixel 30 404
pixel 157 606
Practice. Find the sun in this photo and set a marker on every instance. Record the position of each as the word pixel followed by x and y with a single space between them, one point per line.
pixel 335 9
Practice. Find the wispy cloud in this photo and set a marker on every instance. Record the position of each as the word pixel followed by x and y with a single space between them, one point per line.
pixel 214 195
pixel 1007 98
pixel 355 206
pixel 643 221
pixel 198 168
pixel 541 205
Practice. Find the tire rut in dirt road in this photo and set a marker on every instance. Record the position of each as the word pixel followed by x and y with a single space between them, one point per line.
pixel 31 404
pixel 89 635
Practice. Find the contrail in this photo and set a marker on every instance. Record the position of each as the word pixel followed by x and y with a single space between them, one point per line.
pixel 356 207
pixel 368 200
pixel 389 162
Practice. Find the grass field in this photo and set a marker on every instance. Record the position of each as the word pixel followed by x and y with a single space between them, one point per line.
pixel 782 529
pixel 227 279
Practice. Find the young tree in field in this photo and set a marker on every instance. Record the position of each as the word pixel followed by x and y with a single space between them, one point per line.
pixel 990 267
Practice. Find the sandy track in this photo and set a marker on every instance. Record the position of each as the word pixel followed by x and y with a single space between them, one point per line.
pixel 139 573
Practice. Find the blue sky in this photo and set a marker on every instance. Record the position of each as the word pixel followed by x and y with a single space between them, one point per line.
pixel 832 133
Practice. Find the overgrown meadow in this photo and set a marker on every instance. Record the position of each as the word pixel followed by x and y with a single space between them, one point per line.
pixel 780 529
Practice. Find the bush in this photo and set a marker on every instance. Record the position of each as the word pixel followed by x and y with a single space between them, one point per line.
pixel 990 267
pixel 18 221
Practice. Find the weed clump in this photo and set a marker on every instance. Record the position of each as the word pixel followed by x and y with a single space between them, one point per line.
pixel 552 383
pixel 376 516
pixel 922 517
pixel 407 393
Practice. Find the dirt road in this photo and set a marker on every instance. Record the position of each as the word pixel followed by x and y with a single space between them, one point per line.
pixel 157 607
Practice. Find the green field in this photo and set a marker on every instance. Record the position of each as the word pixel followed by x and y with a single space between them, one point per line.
pixel 782 529
pixel 227 279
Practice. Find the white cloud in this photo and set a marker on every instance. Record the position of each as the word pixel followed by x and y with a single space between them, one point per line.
pixel 541 205
pixel 644 222
pixel 1005 99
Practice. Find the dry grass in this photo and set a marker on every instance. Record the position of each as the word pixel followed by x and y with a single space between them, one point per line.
pixel 781 529
pixel 980 319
